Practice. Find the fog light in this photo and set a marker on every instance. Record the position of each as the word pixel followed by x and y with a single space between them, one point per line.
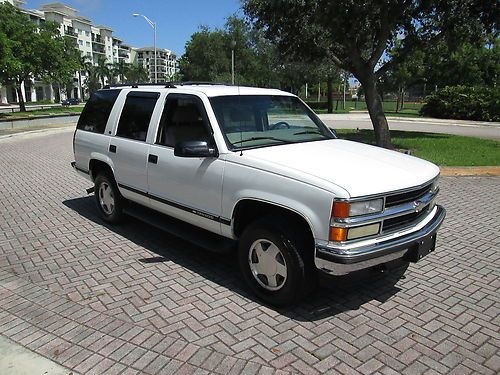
pixel 363 231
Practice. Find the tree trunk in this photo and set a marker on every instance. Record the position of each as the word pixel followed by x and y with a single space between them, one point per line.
pixel 376 111
pixel 398 99
pixel 330 94
pixel 402 98
pixel 80 85
pixel 20 98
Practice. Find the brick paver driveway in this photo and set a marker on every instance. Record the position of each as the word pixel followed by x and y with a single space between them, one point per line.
pixel 102 299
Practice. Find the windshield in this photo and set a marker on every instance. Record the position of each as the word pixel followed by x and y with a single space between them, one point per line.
pixel 250 121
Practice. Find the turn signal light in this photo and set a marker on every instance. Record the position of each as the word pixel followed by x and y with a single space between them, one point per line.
pixel 340 210
pixel 338 234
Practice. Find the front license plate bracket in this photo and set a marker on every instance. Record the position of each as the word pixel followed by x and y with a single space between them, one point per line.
pixel 421 249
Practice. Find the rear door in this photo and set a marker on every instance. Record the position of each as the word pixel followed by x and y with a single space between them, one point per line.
pixel 128 148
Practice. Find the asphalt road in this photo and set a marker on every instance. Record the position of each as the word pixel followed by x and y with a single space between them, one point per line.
pixel 465 128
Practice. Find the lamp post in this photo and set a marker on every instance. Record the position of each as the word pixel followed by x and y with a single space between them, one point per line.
pixel 233 44
pixel 153 25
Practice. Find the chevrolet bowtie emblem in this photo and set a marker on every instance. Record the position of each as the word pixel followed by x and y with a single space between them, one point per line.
pixel 418 205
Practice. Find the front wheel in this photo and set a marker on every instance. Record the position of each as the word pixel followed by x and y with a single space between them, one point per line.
pixel 276 262
pixel 108 198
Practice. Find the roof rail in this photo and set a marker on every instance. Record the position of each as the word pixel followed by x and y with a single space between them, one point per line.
pixel 188 83
pixel 168 85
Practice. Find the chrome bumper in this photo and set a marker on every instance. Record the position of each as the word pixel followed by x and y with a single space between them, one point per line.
pixel 337 260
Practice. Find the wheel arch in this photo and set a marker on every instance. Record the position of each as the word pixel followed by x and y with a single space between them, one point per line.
pixel 98 163
pixel 247 210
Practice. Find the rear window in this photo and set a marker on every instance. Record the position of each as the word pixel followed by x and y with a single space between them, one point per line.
pixel 136 115
pixel 96 112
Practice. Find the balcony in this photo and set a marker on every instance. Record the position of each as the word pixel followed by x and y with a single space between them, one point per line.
pixel 69 31
pixel 97 39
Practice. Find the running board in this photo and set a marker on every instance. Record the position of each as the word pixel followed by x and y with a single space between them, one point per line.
pixel 187 232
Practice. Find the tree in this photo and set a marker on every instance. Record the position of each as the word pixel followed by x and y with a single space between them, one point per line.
pixel 103 69
pixel 63 60
pixel 136 74
pixel 84 63
pixel 28 50
pixel 92 82
pixel 355 34
pixel 120 69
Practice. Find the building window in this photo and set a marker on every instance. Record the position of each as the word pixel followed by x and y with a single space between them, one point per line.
pixel 80 42
pixel 87 44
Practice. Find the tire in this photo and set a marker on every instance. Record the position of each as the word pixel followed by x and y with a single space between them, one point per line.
pixel 108 198
pixel 282 251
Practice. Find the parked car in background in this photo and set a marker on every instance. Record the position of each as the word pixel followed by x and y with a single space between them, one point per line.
pixel 70 101
pixel 257 168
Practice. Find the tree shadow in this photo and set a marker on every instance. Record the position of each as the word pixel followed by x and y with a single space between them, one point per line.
pixel 337 294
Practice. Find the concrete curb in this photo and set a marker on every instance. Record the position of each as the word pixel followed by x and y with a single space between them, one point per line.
pixel 485 171
pixel 28 133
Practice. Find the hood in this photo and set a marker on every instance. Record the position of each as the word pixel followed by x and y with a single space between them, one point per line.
pixel 358 168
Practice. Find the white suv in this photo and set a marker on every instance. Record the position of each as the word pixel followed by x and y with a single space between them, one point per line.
pixel 256 166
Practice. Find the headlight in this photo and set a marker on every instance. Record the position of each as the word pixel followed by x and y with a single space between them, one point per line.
pixel 366 207
pixel 347 209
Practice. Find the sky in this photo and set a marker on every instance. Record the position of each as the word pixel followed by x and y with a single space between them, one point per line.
pixel 176 20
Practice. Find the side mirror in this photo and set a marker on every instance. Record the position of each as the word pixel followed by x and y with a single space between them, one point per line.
pixel 194 149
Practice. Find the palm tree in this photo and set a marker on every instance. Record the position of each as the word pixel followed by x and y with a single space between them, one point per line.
pixel 85 65
pixel 120 70
pixel 136 74
pixel 92 82
pixel 103 70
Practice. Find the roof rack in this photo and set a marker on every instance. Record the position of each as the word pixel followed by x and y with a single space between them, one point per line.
pixel 168 85
pixel 189 83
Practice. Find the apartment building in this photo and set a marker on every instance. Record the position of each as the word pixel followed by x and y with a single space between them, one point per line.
pixel 94 41
pixel 166 63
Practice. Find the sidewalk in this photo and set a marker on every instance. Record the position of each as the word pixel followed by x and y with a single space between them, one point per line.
pixel 17 360
pixel 431 120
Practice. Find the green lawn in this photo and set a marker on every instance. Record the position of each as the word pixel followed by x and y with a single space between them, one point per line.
pixel 38 112
pixel 442 149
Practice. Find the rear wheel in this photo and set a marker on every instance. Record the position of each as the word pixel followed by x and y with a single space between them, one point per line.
pixel 108 198
pixel 276 262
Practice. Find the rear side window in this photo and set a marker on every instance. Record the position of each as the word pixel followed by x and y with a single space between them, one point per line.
pixel 136 115
pixel 96 112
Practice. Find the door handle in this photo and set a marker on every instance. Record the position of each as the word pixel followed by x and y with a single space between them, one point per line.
pixel 112 148
pixel 153 159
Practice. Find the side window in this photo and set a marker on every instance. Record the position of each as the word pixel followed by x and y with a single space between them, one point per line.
pixel 96 112
pixel 183 119
pixel 136 115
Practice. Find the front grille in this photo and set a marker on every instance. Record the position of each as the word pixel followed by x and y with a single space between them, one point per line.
pixel 409 196
pixel 402 221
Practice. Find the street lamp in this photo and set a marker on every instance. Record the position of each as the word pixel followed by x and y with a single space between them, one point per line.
pixel 233 44
pixel 153 25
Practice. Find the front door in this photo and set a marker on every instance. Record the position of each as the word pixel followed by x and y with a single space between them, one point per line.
pixel 187 188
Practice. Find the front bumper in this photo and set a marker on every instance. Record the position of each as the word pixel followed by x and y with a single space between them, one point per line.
pixel 337 260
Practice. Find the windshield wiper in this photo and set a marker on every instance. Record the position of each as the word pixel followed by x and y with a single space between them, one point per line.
pixel 308 132
pixel 263 138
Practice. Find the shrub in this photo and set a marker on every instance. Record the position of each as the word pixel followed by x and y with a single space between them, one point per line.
pixel 464 103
